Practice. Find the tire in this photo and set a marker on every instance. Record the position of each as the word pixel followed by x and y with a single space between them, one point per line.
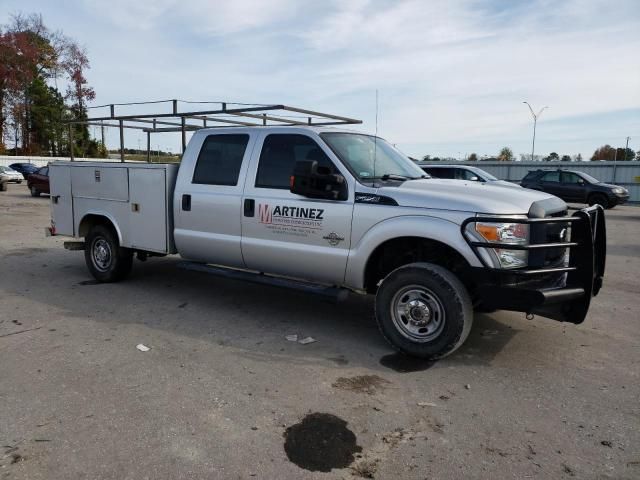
pixel 34 191
pixel 440 319
pixel 105 258
pixel 599 199
pixel 3 186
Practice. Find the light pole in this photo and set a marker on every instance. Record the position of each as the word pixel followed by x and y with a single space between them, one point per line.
pixel 535 121
pixel 626 148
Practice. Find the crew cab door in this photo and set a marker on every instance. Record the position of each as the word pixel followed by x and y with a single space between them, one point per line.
pixel 208 197
pixel 288 234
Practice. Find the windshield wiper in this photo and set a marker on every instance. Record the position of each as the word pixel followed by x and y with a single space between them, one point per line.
pixel 394 176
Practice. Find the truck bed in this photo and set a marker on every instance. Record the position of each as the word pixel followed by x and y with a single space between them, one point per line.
pixel 136 196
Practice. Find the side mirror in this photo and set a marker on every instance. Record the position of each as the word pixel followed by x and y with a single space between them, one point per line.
pixel 581 182
pixel 474 179
pixel 313 181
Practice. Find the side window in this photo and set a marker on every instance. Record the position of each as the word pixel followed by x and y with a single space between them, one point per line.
pixel 44 171
pixel 447 173
pixel 220 159
pixel 279 154
pixel 570 177
pixel 551 177
pixel 463 174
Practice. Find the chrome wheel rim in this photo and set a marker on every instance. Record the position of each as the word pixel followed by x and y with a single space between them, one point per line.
pixel 417 313
pixel 101 254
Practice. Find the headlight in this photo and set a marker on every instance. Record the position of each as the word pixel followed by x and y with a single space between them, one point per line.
pixel 618 190
pixel 509 233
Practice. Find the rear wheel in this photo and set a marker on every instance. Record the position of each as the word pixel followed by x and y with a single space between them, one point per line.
pixel 34 191
pixel 599 199
pixel 106 259
pixel 3 186
pixel 423 310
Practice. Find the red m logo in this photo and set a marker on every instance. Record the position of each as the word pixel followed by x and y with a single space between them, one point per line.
pixel 264 212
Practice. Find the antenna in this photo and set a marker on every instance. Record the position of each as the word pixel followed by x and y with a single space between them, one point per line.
pixel 375 139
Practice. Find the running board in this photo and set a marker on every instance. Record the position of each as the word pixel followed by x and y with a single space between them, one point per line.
pixel 75 246
pixel 336 294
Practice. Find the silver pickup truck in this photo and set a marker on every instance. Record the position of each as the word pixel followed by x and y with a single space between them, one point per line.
pixel 339 209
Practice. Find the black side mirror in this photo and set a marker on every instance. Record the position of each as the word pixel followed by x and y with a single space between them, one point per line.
pixel 313 181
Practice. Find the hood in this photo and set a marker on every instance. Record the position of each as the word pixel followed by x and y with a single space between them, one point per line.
pixel 503 183
pixel 473 197
pixel 608 185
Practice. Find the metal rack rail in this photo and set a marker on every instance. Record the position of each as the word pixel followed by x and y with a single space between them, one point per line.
pixel 228 114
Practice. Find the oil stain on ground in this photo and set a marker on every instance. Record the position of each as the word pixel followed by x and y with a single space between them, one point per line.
pixel 404 363
pixel 369 384
pixel 320 443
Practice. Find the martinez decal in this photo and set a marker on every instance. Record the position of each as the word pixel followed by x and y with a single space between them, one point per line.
pixel 294 216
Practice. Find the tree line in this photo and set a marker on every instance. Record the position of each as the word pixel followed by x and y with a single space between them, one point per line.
pixel 33 58
pixel 606 153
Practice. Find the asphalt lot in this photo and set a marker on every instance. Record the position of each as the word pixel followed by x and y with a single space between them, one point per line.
pixel 223 394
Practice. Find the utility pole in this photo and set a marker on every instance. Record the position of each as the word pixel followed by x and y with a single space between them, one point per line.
pixel 626 148
pixel 535 121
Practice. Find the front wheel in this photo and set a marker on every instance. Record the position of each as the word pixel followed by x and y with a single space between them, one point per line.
pixel 599 199
pixel 423 310
pixel 34 191
pixel 105 258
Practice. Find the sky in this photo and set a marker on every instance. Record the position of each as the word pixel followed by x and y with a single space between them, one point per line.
pixel 451 75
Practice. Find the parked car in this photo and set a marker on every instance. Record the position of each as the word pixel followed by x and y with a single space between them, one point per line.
pixel 575 186
pixel 465 172
pixel 38 182
pixel 24 168
pixel 10 175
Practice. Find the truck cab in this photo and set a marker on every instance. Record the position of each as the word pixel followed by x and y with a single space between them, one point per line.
pixel 344 209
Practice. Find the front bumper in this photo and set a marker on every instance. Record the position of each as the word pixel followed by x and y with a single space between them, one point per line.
pixel 558 292
pixel 619 199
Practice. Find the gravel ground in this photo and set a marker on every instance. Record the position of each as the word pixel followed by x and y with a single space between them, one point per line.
pixel 222 393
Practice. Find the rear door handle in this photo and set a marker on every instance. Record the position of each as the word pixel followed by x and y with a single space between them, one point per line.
pixel 249 207
pixel 186 202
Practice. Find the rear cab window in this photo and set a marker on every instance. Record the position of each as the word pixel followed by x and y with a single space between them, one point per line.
pixel 220 159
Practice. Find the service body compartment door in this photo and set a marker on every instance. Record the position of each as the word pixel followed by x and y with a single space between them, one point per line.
pixel 148 214
pixel 61 199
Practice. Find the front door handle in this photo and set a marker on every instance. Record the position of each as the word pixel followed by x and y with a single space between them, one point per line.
pixel 249 207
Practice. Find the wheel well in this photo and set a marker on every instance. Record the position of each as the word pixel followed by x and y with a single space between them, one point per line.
pixel 404 250
pixel 91 220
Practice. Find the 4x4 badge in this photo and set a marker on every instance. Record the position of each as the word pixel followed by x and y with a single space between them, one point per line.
pixel 333 238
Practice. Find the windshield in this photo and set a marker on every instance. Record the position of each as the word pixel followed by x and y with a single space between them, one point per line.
pixel 589 178
pixel 483 174
pixel 371 157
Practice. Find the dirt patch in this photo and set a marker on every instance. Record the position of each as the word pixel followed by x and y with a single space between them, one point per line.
pixel 369 384
pixel 320 443
pixel 365 468
pixel 401 363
